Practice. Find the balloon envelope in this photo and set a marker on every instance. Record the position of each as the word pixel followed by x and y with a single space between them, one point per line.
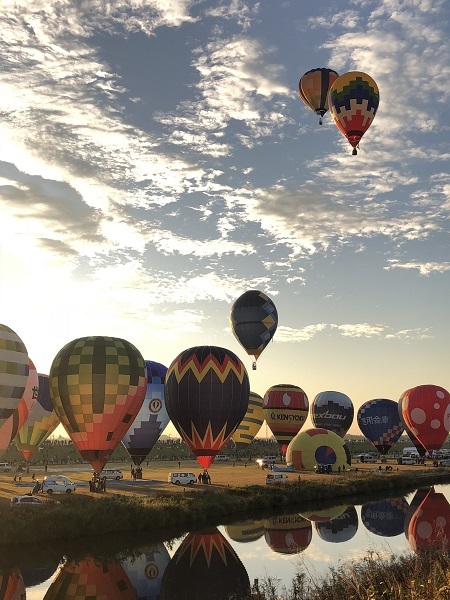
pixel 353 100
pixel 340 529
pixel 254 320
pixel 420 449
pixel 245 531
pixel 313 89
pixel 285 409
pixel 429 526
pixel 379 421
pixel 318 446
pixel 426 411
pixel 333 411
pixel 206 392
pixel 288 534
pixel 151 419
pixel 385 518
pixel 41 422
pixel 14 369
pixel 146 571
pixel 251 423
pixel 97 385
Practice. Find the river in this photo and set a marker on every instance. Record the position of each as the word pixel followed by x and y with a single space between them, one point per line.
pixel 225 558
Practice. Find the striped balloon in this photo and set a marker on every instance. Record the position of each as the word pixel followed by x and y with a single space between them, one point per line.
pixel 251 423
pixel 14 371
pixel 285 409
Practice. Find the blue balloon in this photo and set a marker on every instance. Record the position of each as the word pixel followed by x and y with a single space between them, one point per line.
pixel 379 421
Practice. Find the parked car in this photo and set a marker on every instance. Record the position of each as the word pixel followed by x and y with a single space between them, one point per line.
pixel 266 461
pixel 112 474
pixel 406 460
pixel 221 457
pixel 26 500
pixel 181 478
pixel 58 483
pixel 5 467
pixel 276 478
pixel 366 458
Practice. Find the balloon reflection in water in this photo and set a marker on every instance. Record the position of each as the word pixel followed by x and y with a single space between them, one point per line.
pixel 430 524
pixel 340 529
pixel 288 534
pixel 205 567
pixel 91 578
pixel 146 571
pixel 12 586
pixel 35 576
pixel 245 531
pixel 417 500
pixel 324 514
pixel 385 518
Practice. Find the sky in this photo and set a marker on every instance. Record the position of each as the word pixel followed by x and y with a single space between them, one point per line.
pixel 156 162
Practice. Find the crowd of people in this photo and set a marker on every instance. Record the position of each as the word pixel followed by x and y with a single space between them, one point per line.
pixel 204 477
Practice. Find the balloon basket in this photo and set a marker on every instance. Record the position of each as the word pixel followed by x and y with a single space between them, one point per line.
pixel 254 365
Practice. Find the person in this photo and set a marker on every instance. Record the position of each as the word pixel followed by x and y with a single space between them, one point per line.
pixel 208 478
pixel 343 467
pixel 36 487
pixel 339 469
pixel 33 477
pixel 133 473
pixel 379 468
pixel 199 478
pixel 179 465
pixel 15 479
pixel 103 484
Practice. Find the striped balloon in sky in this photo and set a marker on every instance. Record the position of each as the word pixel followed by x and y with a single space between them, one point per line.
pixel 41 422
pixel 152 418
pixel 97 386
pixel 14 371
pixel 313 89
pixel 353 102
pixel 251 423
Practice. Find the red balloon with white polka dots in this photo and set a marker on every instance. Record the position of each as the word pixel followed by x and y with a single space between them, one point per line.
pixel 426 411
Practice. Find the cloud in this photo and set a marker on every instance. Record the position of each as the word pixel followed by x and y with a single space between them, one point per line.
pixel 424 268
pixel 354 330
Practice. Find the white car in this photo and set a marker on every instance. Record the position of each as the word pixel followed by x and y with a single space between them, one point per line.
pixel 181 478
pixel 58 483
pixel 276 478
pixel 26 500
pixel 115 474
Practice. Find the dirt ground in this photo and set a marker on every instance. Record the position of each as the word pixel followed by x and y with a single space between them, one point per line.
pixel 156 473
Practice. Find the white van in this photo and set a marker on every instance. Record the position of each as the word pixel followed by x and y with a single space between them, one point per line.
pixel 266 461
pixel 115 474
pixel 5 467
pixel 222 457
pixel 276 478
pixel 58 483
pixel 182 478
pixel 366 458
pixel 406 460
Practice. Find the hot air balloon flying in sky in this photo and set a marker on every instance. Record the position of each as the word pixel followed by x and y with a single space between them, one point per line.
pixel 313 89
pixel 251 423
pixel 379 421
pixel 14 369
pixel 206 392
pixel 254 320
pixel 353 100
pixel 152 418
pixel 333 411
pixel 285 409
pixel 97 386
pixel 426 411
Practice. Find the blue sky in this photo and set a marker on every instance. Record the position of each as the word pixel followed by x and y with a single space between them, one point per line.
pixel 156 162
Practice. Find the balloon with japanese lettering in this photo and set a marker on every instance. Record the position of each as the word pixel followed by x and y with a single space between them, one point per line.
pixel 285 409
pixel 254 320
pixel 16 421
pixel 333 411
pixel 91 578
pixel 353 101
pixel 429 526
pixel 251 423
pixel 41 422
pixel 340 529
pixel 207 392
pixel 146 571
pixel 151 419
pixel 313 89
pixel 420 449
pixel 378 420
pixel 288 534
pixel 205 566
pixel 318 447
pixel 386 517
pixel 97 386
pixel 14 370
pixel 426 412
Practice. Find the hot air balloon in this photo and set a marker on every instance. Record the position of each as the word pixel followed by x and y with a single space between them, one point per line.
pixel 322 515
pixel 146 571
pixel 91 578
pixel 253 320
pixel 41 422
pixel 12 586
pixel 285 409
pixel 251 423
pixel 340 529
pixel 353 100
pixel 426 411
pixel 313 89
pixel 14 369
pixel 430 524
pixel 205 566
pixel 152 419
pixel 245 531
pixel 206 392
pixel 385 518
pixel 288 534
pixel 333 411
pixel 318 447
pixel 420 449
pixel 97 386
pixel 379 421
pixel 16 421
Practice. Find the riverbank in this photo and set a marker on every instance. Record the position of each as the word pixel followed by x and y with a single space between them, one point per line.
pixel 79 515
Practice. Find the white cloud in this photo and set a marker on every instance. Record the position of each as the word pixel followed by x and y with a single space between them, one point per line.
pixel 424 268
pixel 354 330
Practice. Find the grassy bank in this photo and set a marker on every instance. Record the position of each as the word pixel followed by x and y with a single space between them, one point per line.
pixel 70 517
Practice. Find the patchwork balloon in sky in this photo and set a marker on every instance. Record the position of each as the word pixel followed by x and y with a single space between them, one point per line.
pixel 206 392
pixel 378 420
pixel 353 100
pixel 254 320
pixel 285 409
pixel 313 89
pixel 14 371
pixel 97 386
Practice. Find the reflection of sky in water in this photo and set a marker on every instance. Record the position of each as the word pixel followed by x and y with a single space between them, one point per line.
pixel 315 560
